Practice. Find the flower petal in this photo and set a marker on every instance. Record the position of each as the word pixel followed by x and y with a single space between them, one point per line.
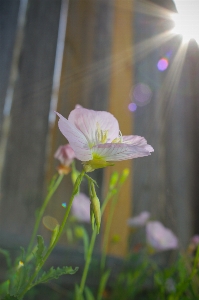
pixel 76 139
pixel 160 237
pixel 86 121
pixel 139 220
pixel 120 151
pixel 65 154
pixel 81 207
pixel 137 140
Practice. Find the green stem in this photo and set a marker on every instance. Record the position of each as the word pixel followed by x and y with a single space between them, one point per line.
pixel 88 260
pixel 108 227
pixel 106 233
pixel 41 211
pixel 90 249
pixel 50 249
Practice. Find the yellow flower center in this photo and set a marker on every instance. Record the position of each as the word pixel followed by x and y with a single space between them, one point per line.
pixel 99 161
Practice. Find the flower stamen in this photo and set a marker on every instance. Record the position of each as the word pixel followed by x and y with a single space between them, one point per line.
pixel 101 135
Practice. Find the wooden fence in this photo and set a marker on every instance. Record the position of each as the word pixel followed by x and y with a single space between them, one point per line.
pixel 90 46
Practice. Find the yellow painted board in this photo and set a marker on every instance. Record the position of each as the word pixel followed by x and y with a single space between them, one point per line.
pixel 120 87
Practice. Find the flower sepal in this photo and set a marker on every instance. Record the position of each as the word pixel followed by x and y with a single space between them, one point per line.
pixel 93 164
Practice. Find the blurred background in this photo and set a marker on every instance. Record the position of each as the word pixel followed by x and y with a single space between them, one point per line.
pixel 117 55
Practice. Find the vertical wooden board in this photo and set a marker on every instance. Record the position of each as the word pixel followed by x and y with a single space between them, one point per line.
pixel 121 83
pixel 85 76
pixel 100 62
pixel 23 174
pixel 164 182
pixel 193 75
pixel 77 51
pixel 8 24
pixel 149 182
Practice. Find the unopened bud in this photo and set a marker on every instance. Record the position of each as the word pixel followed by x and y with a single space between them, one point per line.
pixel 95 206
pixel 79 232
pixel 92 217
pixel 74 175
pixel 114 180
pixel 124 175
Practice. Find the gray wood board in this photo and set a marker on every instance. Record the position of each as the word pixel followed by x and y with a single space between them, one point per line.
pixel 8 23
pixel 23 173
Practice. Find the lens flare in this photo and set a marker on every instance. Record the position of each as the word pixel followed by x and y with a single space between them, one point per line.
pixel 49 222
pixel 142 94
pixel 187 20
pixel 64 204
pixel 162 64
pixel 132 106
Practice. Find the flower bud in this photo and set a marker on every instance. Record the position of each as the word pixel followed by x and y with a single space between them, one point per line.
pixel 95 207
pixel 124 175
pixel 92 217
pixel 114 180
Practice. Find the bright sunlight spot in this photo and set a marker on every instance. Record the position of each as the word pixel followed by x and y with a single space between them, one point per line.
pixel 187 19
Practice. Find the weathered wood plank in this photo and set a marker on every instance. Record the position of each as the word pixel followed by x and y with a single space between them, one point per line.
pixel 23 174
pixel 164 182
pixel 85 76
pixel 120 87
pixel 8 24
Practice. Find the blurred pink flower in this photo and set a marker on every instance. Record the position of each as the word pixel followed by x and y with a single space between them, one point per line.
pixel 78 106
pixel 160 237
pixel 195 240
pixel 81 207
pixel 65 154
pixel 97 141
pixel 139 220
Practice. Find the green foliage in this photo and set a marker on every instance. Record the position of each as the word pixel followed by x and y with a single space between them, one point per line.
pixel 103 282
pixel 7 257
pixel 40 249
pixel 4 288
pixel 80 232
pixel 54 234
pixel 55 274
pixel 89 294
pixel 78 295
pixel 8 297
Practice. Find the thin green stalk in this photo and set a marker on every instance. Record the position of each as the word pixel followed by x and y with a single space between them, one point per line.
pixel 107 232
pixel 41 211
pixel 87 264
pixel 90 249
pixel 108 227
pixel 50 249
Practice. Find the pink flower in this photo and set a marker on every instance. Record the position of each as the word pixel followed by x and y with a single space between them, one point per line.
pixel 139 220
pixel 160 237
pixel 65 154
pixel 195 239
pixel 97 141
pixel 81 207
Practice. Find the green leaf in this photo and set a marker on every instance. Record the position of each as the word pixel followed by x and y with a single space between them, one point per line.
pixel 8 297
pixel 7 257
pixel 89 294
pixel 55 274
pixel 103 282
pixel 78 296
pixel 4 287
pixel 40 249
